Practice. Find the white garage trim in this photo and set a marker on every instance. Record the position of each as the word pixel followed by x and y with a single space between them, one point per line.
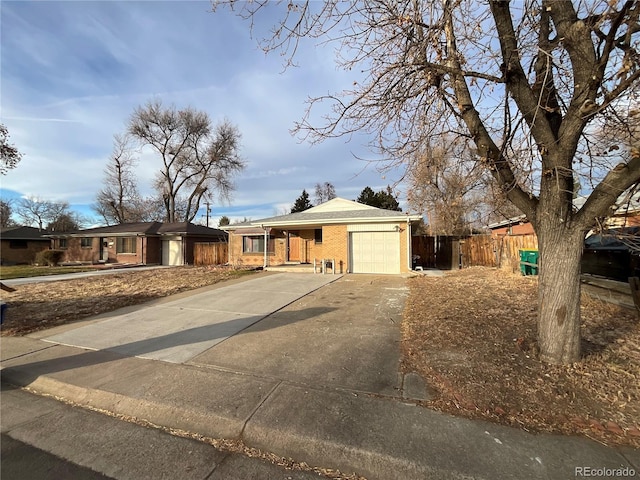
pixel 373 227
pixel 375 252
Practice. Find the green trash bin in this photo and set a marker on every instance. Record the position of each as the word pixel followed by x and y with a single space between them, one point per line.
pixel 529 262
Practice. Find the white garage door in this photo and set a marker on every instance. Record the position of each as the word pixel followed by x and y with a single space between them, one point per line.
pixel 172 252
pixel 375 252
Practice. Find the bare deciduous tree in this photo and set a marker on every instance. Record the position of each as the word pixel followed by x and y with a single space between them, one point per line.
pixel 35 211
pixel 119 200
pixel 523 80
pixel 6 210
pixel 446 183
pixel 65 222
pixel 9 154
pixel 324 192
pixel 198 161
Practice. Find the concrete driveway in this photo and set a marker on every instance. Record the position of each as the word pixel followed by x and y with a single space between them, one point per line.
pixel 178 330
pixel 319 330
pixel 344 335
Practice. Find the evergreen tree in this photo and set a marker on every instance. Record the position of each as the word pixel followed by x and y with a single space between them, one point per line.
pixel 302 203
pixel 382 199
pixel 367 196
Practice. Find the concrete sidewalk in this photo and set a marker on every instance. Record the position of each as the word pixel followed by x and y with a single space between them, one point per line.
pixel 318 381
pixel 14 282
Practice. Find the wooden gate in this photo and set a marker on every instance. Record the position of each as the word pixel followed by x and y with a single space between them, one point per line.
pixel 210 253
pixel 440 251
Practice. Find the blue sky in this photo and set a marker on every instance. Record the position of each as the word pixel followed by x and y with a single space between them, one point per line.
pixel 72 72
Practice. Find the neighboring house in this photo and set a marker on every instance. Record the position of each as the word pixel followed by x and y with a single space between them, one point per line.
pixel 144 243
pixel 360 238
pixel 21 244
pixel 512 226
pixel 611 250
pixel 625 214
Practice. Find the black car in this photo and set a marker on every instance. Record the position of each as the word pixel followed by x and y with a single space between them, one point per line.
pixel 614 253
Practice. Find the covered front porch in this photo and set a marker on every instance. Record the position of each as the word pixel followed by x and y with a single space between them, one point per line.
pixel 289 248
pixel 317 265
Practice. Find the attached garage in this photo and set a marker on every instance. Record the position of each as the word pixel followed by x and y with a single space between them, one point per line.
pixel 172 252
pixel 374 251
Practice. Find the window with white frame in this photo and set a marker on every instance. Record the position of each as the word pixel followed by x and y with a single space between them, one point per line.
pixel 255 244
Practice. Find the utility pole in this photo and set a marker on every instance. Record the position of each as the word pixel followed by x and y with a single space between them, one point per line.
pixel 208 211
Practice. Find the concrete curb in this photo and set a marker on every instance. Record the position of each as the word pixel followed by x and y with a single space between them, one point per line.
pixel 373 436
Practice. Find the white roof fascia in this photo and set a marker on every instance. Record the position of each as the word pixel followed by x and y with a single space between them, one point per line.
pixel 339 204
pixel 333 221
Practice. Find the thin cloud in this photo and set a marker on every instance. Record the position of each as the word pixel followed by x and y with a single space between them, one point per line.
pixel 41 119
pixel 74 71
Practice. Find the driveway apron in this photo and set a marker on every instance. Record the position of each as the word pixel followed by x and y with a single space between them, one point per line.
pixel 179 330
pixel 345 335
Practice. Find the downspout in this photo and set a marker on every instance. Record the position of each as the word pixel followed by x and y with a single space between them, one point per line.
pixel 184 250
pixel 409 252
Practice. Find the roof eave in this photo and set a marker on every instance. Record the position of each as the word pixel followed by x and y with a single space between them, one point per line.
pixel 338 221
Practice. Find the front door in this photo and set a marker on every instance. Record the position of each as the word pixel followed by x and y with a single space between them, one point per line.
pixel 293 248
pixel 104 250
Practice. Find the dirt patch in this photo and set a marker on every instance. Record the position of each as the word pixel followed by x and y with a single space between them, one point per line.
pixel 472 336
pixel 38 306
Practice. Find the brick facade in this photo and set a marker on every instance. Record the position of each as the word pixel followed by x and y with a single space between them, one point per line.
pixel 21 251
pixel 334 246
pixel 147 250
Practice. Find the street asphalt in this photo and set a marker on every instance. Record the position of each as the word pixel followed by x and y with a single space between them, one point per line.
pixel 300 365
pixel 44 439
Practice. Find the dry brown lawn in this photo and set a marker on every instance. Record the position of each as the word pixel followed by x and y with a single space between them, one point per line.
pixel 38 306
pixel 472 336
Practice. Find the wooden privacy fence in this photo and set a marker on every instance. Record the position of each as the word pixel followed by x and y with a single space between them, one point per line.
pixel 502 251
pixel 436 251
pixel 205 253
pixel 478 250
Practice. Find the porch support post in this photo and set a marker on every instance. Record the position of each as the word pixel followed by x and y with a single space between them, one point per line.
pixel 266 246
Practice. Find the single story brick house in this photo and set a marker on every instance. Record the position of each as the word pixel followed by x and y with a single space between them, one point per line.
pixel 21 244
pixel 149 243
pixel 359 238
pixel 512 226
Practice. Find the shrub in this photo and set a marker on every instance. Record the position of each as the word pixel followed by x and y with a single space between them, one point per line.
pixel 49 257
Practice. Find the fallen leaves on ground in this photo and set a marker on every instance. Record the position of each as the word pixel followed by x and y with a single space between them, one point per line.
pixel 472 336
pixel 36 306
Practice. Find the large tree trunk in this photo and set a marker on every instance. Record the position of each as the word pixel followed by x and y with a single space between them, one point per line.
pixel 559 293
